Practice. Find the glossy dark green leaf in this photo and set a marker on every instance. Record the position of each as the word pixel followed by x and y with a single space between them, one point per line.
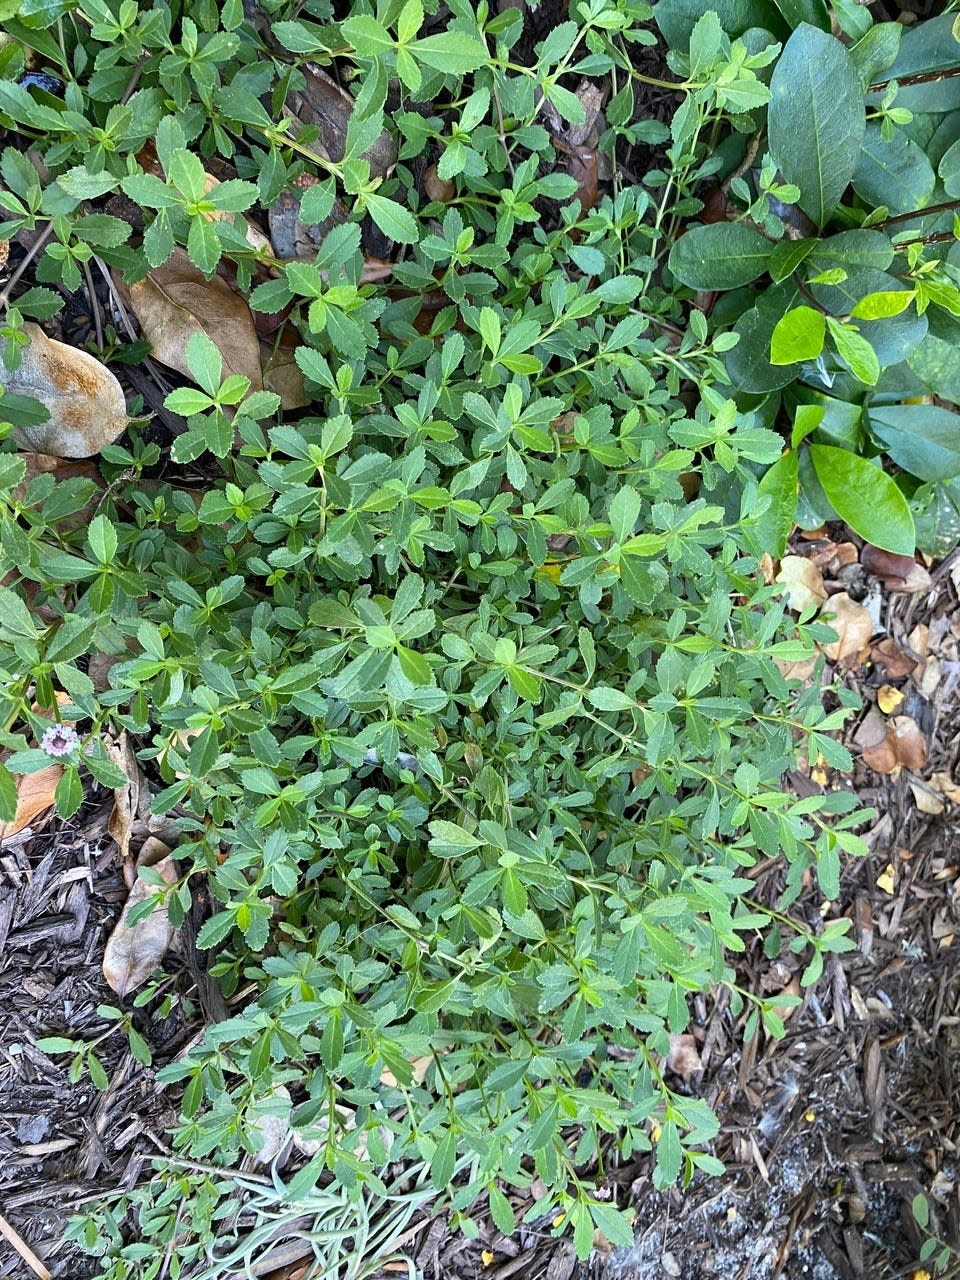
pixel 816 119
pixel 723 255
pixel 923 439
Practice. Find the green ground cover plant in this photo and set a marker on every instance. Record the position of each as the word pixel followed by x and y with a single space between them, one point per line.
pixel 460 683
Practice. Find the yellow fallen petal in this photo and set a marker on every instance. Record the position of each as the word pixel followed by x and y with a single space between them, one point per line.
pixel 889 698
pixel 887 879
pixel 486 1257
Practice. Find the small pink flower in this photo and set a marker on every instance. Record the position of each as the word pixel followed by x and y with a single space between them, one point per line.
pixel 60 740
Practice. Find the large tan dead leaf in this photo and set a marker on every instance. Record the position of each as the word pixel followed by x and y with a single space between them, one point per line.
pixel 928 800
pixel 852 623
pixel 897 573
pixel 802 582
pixel 34 796
pixel 903 744
pixel 132 799
pixel 133 952
pixel 85 401
pixel 175 301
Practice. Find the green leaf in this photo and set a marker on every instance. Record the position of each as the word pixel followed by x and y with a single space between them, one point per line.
pixel 866 498
pixel 893 171
pixel 204 361
pixel 816 119
pixel 936 363
pixel 875 50
pixel 444 1160
pixel 606 698
pixel 624 513
pixel 68 796
pixel 103 539
pixel 723 255
pixel 922 439
pixel 56 1044
pixel 369 37
pixel 677 18
pixel 813 11
pixel 781 483
pixel 453 52
pixel 185 172
pixel 855 351
pixel 84 185
pixel 8 795
pixel 396 222
pixel 799 335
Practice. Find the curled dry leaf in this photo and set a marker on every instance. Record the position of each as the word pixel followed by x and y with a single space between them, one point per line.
pixel 442 190
pixel 133 952
pixel 85 401
pixel 175 301
pixel 802 582
pixel 131 801
pixel 851 622
pixel 947 786
pixel 897 573
pixel 888 654
pixel 903 744
pixel 684 1057
pixel 927 799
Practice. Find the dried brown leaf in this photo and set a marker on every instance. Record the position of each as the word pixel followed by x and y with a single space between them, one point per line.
pixel 802 582
pixel 904 744
pixel 947 786
pixel 133 952
pixel 897 573
pixel 888 654
pixel 442 190
pixel 84 399
pixel 34 797
pixel 684 1057
pixel 175 301
pixel 128 800
pixel 322 103
pixel 926 798
pixel 852 623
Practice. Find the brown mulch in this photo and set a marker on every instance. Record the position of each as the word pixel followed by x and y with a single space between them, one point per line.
pixel 63 1142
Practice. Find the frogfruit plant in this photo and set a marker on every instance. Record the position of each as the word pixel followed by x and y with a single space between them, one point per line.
pixel 469 716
